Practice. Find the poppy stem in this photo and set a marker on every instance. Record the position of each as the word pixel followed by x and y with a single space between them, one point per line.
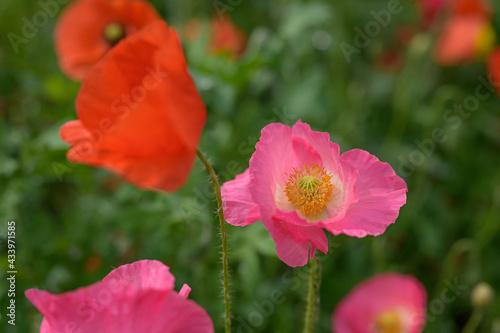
pixel 312 296
pixel 474 321
pixel 222 222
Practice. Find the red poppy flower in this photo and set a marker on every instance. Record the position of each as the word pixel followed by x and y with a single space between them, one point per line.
pixel 464 39
pixel 467 35
pixel 87 29
pixel 225 37
pixel 139 112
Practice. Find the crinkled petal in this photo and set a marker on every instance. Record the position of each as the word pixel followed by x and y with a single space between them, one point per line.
pixel 239 208
pixel 328 151
pixel 300 233
pixel 289 251
pixel 381 193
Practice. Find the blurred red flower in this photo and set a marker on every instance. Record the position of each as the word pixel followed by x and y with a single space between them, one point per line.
pixel 467 35
pixel 139 112
pixel 471 7
pixel 87 29
pixel 430 9
pixel 93 263
pixel 225 37
pixel 494 69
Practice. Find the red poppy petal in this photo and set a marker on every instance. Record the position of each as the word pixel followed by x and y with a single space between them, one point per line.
pixel 74 131
pixel 471 7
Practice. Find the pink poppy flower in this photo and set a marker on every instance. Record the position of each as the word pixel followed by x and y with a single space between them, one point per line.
pixel 137 297
pixel 386 303
pixel 298 184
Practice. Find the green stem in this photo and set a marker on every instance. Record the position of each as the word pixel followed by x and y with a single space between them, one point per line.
pixel 474 321
pixel 222 222
pixel 312 297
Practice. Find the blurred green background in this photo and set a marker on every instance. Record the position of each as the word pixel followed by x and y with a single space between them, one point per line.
pixel 75 223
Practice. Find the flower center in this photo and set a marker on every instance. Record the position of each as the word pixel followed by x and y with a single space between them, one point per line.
pixel 114 32
pixel 388 322
pixel 309 189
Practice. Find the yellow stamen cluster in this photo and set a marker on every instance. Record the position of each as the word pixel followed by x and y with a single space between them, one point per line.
pixel 114 32
pixel 309 189
pixel 388 322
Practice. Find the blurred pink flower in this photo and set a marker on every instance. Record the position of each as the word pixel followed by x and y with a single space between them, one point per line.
pixel 137 297
pixel 385 303
pixel 298 184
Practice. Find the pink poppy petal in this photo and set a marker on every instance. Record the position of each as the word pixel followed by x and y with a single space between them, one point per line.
pixel 305 153
pixel 273 157
pixel 185 290
pixel 320 142
pixel 98 309
pixel 302 233
pixel 175 314
pixel 381 193
pixel 239 208
pixel 289 251
pixel 144 274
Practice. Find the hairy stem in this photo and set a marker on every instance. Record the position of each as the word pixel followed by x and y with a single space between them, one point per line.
pixel 312 297
pixel 222 222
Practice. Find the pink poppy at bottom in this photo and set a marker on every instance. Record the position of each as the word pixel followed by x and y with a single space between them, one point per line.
pixel 385 303
pixel 298 184
pixel 137 297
